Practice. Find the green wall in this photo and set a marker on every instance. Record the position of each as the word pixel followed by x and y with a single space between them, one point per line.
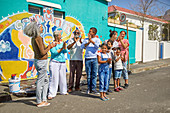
pixel 12 6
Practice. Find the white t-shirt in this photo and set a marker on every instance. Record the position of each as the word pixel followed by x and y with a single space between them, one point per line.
pixel 107 55
pixel 118 65
pixel 111 53
pixel 75 51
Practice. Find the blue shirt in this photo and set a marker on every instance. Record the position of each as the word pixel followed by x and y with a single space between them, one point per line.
pixel 91 49
pixel 58 56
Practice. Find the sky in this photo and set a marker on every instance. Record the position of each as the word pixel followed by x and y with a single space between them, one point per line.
pixel 163 5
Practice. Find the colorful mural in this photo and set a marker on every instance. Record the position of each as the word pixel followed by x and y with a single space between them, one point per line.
pixel 16 53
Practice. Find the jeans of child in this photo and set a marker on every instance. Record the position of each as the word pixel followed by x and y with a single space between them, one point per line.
pixel 91 71
pixel 103 77
pixel 42 80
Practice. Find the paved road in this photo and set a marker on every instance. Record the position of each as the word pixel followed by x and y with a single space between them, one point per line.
pixel 149 92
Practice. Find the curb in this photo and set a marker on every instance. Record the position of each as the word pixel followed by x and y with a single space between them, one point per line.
pixel 138 70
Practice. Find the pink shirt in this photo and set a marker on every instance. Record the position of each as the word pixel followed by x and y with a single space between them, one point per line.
pixel 124 50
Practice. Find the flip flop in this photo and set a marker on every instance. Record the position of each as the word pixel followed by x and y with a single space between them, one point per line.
pixel 103 99
pixel 106 98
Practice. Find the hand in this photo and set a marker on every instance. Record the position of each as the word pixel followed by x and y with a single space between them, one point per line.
pixel 64 45
pixel 53 44
pixel 109 60
pixel 89 36
pixel 76 39
pixel 80 39
pixel 119 38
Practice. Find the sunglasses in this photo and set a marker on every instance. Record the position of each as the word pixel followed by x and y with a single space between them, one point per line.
pixel 76 33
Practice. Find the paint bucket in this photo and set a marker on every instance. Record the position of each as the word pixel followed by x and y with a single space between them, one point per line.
pixel 14 85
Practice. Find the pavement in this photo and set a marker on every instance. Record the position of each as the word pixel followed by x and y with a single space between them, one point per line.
pixel 28 86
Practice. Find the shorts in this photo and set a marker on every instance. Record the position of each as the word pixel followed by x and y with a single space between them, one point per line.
pixel 118 74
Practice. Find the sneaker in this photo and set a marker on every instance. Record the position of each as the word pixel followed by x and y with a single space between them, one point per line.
pixel 126 86
pixel 120 88
pixel 116 90
pixel 95 92
pixel 88 91
pixel 70 90
pixel 110 91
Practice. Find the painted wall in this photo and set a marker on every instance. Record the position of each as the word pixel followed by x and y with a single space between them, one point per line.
pixel 89 12
pixel 16 54
pixel 132 40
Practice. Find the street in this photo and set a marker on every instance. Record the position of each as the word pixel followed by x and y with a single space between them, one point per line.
pixel 148 92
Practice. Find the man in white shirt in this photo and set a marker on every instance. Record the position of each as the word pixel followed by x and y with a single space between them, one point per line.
pixel 76 60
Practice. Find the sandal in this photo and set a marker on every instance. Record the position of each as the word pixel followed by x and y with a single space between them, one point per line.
pixel 103 99
pixel 106 98
pixel 50 98
pixel 43 105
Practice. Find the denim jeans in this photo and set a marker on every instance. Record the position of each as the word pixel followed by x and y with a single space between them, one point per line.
pixel 91 71
pixel 103 77
pixel 110 73
pixel 124 71
pixel 42 80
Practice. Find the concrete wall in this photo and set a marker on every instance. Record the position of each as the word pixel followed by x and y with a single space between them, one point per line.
pixel 151 51
pixel 166 50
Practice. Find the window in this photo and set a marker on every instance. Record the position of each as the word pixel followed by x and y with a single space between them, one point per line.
pixel 58 14
pixel 35 10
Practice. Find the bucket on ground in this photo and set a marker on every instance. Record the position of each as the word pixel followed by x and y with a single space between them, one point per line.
pixel 14 85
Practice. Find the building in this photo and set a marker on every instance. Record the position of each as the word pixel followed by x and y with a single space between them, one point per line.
pixel 16 54
pixel 152 48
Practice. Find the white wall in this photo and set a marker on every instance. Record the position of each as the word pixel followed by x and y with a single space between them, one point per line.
pixel 166 50
pixel 151 51
pixel 138 51
pixel 150 47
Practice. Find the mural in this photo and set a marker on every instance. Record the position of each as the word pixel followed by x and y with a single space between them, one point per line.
pixel 16 53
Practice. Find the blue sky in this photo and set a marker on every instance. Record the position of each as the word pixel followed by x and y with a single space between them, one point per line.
pixel 162 4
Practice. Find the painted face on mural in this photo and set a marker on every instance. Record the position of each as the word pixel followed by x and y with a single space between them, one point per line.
pixel 76 33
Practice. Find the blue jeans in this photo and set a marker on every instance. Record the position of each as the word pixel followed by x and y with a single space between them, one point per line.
pixel 91 71
pixel 124 71
pixel 110 73
pixel 103 78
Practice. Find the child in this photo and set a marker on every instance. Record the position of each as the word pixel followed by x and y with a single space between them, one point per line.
pixel 118 67
pixel 104 59
pixel 111 53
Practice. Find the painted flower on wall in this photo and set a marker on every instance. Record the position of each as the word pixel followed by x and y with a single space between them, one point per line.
pixel 4 46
